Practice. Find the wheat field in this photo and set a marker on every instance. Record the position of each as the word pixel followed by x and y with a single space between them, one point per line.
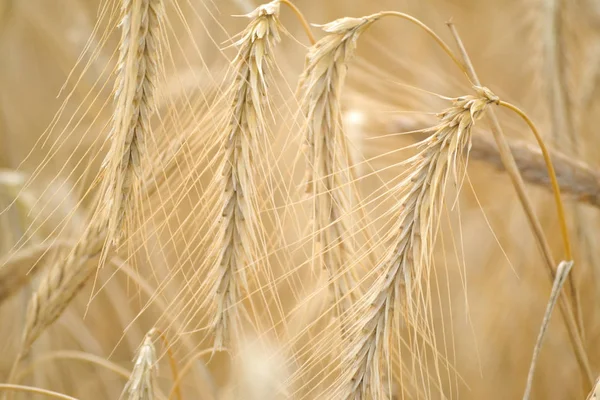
pixel 299 199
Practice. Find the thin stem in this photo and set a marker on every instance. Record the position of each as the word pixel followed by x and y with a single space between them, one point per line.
pixel 517 181
pixel 173 365
pixel 31 389
pixel 431 33
pixel 561 276
pixel 552 174
pixel 510 164
pixel 185 370
pixel 302 20
pixel 73 355
pixel 559 206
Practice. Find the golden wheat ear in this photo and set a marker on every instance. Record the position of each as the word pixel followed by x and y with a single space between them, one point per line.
pixel 397 293
pixel 142 381
pixel 330 182
pixel 137 72
pixel 246 127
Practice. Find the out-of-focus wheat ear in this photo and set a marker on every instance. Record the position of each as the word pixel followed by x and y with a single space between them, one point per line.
pixel 61 284
pixel 246 127
pixel 397 292
pixel 329 175
pixel 137 72
pixel 141 384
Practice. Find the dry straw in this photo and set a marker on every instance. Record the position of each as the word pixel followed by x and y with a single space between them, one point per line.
pixel 246 129
pixel 561 276
pixel 411 239
pixel 137 72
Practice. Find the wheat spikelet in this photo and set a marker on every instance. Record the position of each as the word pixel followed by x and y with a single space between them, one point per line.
pixel 412 238
pixel 134 104
pixel 329 175
pixel 141 384
pixel 246 127
pixel 60 285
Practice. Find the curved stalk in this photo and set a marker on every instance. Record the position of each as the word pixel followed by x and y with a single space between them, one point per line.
pixel 551 173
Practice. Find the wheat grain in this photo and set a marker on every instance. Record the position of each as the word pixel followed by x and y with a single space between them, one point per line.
pixel 134 104
pixel 246 128
pixel 141 384
pixel 412 238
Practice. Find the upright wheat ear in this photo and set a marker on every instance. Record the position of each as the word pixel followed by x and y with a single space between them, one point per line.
pixel 134 104
pixel 247 127
pixel 329 176
pixel 411 239
pixel 142 379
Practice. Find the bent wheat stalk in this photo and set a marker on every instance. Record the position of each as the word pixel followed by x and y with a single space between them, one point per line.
pixel 134 104
pixel 567 309
pixel 246 128
pixel 412 237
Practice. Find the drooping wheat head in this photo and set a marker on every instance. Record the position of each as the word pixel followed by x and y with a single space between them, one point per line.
pixel 397 291
pixel 137 72
pixel 246 128
pixel 330 181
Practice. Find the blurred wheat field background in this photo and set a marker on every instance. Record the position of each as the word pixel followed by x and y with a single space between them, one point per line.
pixel 210 200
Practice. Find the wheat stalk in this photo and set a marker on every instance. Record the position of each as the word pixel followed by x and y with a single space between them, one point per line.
pixel 517 181
pixel 562 271
pixel 141 384
pixel 412 237
pixel 134 104
pixel 329 180
pixel 247 126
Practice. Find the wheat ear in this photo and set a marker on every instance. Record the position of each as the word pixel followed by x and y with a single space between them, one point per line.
pixel 141 384
pixel 329 176
pixel 412 237
pixel 247 127
pixel 60 285
pixel 137 72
